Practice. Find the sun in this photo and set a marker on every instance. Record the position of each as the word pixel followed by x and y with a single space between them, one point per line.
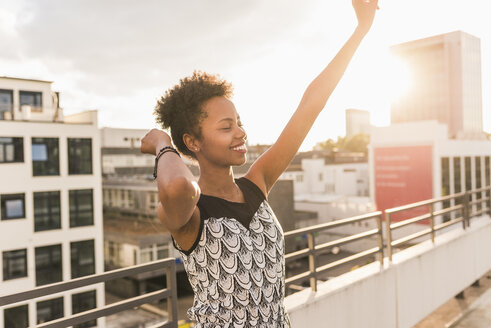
pixel 397 79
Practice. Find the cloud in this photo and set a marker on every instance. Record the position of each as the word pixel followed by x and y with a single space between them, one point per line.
pixel 115 47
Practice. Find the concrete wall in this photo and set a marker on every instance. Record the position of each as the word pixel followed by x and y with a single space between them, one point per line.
pixel 403 292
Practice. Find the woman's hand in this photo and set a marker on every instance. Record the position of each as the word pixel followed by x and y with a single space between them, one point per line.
pixel 153 141
pixel 365 13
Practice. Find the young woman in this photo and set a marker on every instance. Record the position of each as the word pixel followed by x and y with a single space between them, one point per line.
pixel 230 241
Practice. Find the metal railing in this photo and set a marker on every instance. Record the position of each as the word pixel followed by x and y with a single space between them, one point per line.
pixel 169 293
pixel 313 251
pixel 464 210
pixel 466 205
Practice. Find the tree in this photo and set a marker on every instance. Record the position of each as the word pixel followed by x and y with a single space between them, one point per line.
pixel 356 143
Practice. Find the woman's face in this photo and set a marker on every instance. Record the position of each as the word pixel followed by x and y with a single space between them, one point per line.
pixel 223 137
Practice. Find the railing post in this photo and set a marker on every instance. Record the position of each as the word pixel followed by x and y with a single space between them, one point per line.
pixel 389 236
pixel 380 239
pixel 172 302
pixel 312 258
pixel 432 223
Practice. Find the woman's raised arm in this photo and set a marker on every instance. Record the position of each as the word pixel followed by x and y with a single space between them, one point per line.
pixel 267 168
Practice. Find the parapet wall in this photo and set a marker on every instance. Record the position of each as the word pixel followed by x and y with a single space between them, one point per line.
pixel 403 292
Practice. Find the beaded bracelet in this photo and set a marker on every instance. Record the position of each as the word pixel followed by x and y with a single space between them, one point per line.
pixel 162 151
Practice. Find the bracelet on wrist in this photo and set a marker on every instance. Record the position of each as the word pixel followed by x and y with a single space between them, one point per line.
pixel 162 151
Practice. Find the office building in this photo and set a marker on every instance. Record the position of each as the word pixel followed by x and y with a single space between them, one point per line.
pixel 445 83
pixel 51 203
pixel 357 121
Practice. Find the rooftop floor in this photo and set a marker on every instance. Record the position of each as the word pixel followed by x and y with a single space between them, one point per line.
pixel 472 311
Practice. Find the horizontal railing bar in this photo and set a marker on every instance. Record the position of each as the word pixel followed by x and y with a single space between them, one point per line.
pixel 297 254
pixel 449 197
pixel 107 310
pixel 448 210
pixel 348 259
pixel 480 189
pixel 84 281
pixel 411 237
pixel 332 224
pixel 418 218
pixel 298 277
pixel 346 240
pixel 170 324
pixel 448 223
pixel 423 203
pixel 481 211
pixel 478 201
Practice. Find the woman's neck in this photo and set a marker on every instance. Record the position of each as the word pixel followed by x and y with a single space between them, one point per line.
pixel 219 182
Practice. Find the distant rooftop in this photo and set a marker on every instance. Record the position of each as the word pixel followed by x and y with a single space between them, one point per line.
pixel 24 79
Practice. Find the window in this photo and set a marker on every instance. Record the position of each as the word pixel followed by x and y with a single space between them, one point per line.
pixel 487 180
pixel 457 178
pixel 162 251
pixel 146 255
pixel 33 99
pixel 13 206
pixel 81 208
pixel 299 178
pixel 6 104
pixel 14 264
pixel 45 156
pixel 50 310
pixel 79 156
pixel 445 167
pixel 468 174
pixel 11 150
pixel 82 258
pixel 48 264
pixel 477 161
pixel 83 302
pixel 16 317
pixel 47 211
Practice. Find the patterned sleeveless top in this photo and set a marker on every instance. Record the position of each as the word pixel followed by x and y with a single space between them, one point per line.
pixel 236 266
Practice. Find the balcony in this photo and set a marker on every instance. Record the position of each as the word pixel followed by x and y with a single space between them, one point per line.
pixel 409 271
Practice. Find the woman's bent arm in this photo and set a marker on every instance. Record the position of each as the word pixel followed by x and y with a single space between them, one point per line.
pixel 178 190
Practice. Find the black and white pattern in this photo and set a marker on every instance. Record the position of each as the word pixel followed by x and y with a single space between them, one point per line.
pixel 237 274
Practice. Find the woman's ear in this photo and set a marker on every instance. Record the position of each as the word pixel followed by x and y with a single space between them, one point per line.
pixel 191 142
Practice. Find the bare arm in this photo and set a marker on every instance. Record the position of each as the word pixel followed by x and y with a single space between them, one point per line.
pixel 178 190
pixel 266 170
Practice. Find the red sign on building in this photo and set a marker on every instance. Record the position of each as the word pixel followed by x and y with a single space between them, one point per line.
pixel 403 175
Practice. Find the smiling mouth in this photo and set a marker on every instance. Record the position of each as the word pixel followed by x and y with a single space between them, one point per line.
pixel 240 148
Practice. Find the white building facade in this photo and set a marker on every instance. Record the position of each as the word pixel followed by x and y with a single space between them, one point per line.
pixel 411 162
pixel 317 177
pixel 51 203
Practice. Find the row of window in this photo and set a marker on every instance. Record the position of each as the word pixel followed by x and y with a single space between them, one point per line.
pixel 30 98
pixel 45 154
pixel 480 170
pixel 48 262
pixel 52 309
pixel 47 208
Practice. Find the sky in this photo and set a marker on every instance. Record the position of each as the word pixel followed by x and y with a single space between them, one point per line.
pixel 119 56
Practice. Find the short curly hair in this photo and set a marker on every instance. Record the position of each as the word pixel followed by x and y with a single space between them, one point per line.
pixel 180 109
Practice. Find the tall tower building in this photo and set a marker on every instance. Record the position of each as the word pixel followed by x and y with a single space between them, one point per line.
pixel 51 203
pixel 445 85
pixel 357 121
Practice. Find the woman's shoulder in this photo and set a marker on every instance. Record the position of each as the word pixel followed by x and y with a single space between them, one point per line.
pixel 255 183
